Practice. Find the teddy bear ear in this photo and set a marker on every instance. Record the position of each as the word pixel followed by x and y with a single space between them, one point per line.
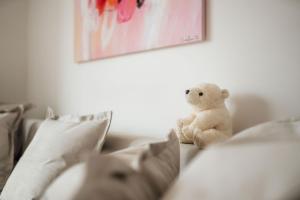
pixel 225 93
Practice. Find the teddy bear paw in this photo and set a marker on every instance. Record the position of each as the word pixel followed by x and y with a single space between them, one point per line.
pixel 182 137
pixel 180 123
pixel 187 131
pixel 198 141
pixel 185 140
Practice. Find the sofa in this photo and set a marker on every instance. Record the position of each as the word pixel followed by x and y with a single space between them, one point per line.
pixel 113 141
pixel 261 162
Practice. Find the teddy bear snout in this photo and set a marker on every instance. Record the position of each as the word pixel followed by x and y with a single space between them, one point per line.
pixel 187 91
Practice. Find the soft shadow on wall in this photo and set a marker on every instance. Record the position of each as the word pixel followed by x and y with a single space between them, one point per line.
pixel 249 110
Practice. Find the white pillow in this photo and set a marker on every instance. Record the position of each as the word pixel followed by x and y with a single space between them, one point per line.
pixel 139 172
pixel 262 162
pixel 67 185
pixel 287 128
pixel 57 145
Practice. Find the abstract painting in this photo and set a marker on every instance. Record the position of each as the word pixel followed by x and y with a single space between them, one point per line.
pixel 106 28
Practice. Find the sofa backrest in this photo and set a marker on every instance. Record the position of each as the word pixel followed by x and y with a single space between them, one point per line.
pixel 113 142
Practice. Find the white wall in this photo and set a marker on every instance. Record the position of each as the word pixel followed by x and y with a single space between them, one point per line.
pixel 253 49
pixel 13 50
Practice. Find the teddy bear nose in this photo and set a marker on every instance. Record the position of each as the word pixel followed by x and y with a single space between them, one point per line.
pixel 187 91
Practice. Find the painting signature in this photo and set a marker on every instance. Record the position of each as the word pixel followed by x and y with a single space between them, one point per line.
pixel 190 38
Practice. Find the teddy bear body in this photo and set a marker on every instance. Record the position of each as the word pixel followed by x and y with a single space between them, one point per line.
pixel 210 120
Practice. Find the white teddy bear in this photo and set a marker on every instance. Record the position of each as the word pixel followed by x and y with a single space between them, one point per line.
pixel 210 121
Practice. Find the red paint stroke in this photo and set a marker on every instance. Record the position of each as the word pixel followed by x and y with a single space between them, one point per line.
pixel 100 5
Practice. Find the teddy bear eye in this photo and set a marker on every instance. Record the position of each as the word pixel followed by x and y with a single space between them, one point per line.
pixel 200 94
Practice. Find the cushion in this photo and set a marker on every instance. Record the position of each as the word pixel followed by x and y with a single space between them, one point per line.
pixel 10 117
pixel 58 144
pixel 28 129
pixel 137 172
pixel 187 151
pixel 260 163
pixel 285 128
pixel 67 185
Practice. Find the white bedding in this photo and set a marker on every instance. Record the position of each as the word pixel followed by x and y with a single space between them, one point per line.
pixel 260 163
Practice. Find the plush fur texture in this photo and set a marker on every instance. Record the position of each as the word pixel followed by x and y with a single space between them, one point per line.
pixel 210 121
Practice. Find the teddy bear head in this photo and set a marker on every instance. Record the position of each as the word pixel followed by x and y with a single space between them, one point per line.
pixel 206 96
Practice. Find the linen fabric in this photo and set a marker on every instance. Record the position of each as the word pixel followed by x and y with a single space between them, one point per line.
pixel 10 118
pixel 259 163
pixel 135 173
pixel 58 144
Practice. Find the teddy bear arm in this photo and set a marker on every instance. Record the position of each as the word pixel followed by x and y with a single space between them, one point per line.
pixel 185 139
pixel 188 120
pixel 209 136
pixel 204 122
